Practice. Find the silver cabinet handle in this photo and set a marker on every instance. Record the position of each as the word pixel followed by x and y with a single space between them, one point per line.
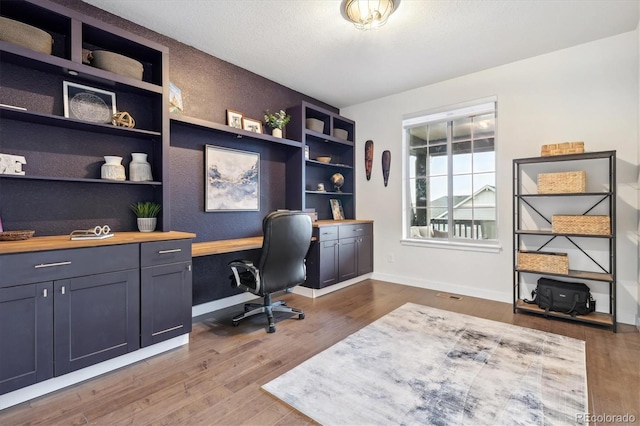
pixel 44 293
pixel 62 290
pixel 189 268
pixel 358 230
pixel 169 251
pixel 48 265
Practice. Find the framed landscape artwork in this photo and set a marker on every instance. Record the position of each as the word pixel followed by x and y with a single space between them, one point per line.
pixel 232 180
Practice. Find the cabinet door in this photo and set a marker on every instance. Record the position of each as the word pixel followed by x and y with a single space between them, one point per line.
pixel 165 302
pixel 328 263
pixel 26 335
pixel 347 258
pixel 364 249
pixel 97 317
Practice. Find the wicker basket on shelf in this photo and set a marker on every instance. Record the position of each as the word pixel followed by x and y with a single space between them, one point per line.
pixel 562 183
pixel 553 263
pixel 562 148
pixel 584 225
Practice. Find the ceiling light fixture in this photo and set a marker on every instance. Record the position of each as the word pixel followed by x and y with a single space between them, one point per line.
pixel 368 14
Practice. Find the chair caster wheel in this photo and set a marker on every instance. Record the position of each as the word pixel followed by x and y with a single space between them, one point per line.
pixel 235 323
pixel 300 316
pixel 272 329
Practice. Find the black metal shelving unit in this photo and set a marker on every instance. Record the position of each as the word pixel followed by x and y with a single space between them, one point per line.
pixel 527 198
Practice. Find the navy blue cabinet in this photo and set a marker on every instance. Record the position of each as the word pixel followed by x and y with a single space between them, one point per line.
pixel 166 295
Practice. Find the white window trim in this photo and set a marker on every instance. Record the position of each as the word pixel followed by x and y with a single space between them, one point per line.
pixel 409 120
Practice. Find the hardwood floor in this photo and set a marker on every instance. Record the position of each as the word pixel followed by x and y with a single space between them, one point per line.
pixel 216 378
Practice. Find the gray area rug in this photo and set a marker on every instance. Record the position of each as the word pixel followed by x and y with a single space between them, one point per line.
pixel 424 366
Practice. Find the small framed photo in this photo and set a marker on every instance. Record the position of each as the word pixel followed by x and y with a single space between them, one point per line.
pixel 88 104
pixel 336 209
pixel 252 125
pixel 234 119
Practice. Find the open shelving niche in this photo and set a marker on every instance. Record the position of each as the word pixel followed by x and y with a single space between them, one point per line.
pixel 64 153
pixel 595 255
pixel 325 144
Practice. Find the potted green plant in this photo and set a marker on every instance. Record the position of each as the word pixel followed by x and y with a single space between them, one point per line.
pixel 276 121
pixel 147 214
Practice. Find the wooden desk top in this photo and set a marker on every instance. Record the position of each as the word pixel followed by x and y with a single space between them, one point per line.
pixel 57 242
pixel 206 248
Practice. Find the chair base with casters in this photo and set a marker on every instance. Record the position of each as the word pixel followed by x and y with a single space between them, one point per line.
pixel 268 308
pixel 287 237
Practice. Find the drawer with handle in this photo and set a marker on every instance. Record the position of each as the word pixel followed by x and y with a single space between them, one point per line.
pixel 164 252
pixel 355 230
pixel 34 267
pixel 326 233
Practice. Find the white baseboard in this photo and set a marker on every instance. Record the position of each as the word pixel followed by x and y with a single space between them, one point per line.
pixel 445 287
pixel 207 308
pixel 24 394
pixel 313 293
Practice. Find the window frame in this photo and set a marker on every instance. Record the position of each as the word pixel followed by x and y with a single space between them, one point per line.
pixel 446 114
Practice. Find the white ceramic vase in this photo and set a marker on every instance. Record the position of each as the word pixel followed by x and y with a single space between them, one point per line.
pixel 112 169
pixel 147 224
pixel 277 133
pixel 139 168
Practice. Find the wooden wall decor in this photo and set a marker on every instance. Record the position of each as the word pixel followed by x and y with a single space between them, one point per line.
pixel 368 158
pixel 386 166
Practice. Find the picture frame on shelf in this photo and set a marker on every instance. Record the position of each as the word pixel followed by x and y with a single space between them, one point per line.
pixel 232 180
pixel 336 209
pixel 252 125
pixel 88 103
pixel 234 119
pixel 175 99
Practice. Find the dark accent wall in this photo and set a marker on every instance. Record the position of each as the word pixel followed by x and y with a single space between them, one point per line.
pixel 209 87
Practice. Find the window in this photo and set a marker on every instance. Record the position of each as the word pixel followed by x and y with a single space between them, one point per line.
pixel 450 175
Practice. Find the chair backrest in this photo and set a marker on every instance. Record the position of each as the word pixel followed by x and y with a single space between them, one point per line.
pixel 287 237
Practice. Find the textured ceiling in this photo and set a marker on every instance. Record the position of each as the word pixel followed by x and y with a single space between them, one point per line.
pixel 307 46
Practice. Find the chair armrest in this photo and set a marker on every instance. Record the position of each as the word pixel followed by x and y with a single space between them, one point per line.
pixel 246 275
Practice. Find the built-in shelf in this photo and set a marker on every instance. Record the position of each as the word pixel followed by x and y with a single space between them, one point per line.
pixel 71 123
pixel 85 180
pixel 321 164
pixel 239 133
pixel 18 55
pixel 329 193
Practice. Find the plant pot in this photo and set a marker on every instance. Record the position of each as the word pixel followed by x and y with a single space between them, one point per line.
pixel 147 224
pixel 277 133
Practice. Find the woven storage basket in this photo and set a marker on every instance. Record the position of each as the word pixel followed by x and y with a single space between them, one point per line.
pixel 586 225
pixel 555 263
pixel 562 148
pixel 562 183
pixel 25 35
pixel 118 64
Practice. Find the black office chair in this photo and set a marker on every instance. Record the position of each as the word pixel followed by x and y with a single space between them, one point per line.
pixel 287 237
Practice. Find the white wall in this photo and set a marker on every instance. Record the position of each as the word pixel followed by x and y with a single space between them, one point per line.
pixel 589 92
pixel 638 299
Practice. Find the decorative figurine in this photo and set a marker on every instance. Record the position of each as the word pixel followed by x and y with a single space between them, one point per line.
pixel 11 164
pixel 123 119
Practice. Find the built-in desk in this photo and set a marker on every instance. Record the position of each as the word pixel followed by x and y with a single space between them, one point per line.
pixel 207 248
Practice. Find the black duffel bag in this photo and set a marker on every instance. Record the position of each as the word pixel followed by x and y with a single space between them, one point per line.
pixel 561 296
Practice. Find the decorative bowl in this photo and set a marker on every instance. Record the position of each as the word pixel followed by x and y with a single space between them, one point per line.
pixel 341 134
pixel 315 125
pixel 118 64
pixel 25 35
pixel 323 159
